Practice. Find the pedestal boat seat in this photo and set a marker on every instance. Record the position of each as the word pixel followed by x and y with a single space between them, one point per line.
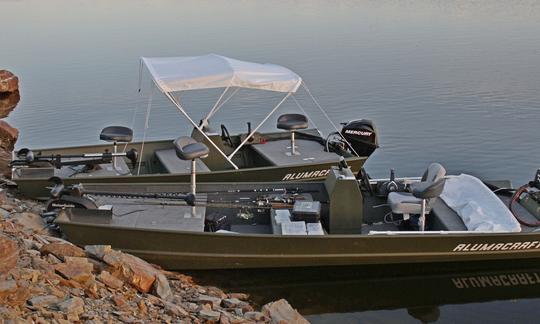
pixel 187 148
pixel 116 134
pixel 416 202
pixel 292 122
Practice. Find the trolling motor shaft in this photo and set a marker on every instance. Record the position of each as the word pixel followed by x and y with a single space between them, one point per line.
pixel 26 156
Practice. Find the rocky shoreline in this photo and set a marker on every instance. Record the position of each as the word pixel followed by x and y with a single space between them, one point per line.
pixel 45 279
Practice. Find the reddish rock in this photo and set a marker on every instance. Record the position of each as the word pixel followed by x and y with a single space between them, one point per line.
pixel 8 102
pixel 7 287
pixel 110 280
pixel 282 312
pixel 77 269
pixel 8 81
pixel 9 254
pixel 120 302
pixel 8 136
pixel 31 221
pixel 137 272
pixel 62 250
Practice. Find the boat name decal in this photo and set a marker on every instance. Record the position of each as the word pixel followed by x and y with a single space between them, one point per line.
pixel 497 246
pixel 306 175
pixel 510 279
pixel 358 132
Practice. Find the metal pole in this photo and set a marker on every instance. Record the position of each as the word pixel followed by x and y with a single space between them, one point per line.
pixel 293 151
pixel 259 126
pixel 114 156
pixel 193 174
pixel 180 109
pixel 423 216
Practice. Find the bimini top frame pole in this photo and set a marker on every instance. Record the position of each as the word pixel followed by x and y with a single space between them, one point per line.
pixel 183 112
pixel 260 124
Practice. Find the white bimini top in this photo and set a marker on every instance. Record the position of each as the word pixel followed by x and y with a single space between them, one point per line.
pixel 172 74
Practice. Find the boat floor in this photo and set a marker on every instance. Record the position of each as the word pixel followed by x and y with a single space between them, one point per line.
pixel 145 214
pixel 277 152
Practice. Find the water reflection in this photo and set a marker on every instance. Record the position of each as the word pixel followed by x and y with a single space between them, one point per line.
pixel 420 290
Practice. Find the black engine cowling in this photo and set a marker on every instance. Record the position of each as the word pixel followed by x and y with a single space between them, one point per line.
pixel 362 135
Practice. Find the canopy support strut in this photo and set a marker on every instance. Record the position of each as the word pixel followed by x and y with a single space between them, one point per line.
pixel 260 124
pixel 183 112
pixel 328 118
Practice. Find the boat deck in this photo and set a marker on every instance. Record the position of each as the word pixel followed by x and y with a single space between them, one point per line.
pixel 275 152
pixel 149 214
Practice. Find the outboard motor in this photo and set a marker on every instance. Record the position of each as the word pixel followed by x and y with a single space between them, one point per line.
pixel 362 135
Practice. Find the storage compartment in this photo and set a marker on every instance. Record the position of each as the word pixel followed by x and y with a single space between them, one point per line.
pixel 307 211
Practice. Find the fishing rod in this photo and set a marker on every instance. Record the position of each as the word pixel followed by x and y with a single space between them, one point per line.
pixel 78 196
pixel 26 156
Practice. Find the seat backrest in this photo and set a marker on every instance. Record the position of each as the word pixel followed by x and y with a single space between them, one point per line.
pixel 428 189
pixel 434 172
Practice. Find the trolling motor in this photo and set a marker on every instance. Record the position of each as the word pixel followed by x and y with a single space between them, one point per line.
pixel 76 196
pixel 528 196
pixel 27 157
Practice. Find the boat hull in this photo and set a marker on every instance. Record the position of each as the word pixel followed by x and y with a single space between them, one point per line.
pixel 187 250
pixel 37 187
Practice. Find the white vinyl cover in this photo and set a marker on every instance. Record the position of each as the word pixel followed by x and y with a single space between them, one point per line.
pixel 215 71
pixel 479 208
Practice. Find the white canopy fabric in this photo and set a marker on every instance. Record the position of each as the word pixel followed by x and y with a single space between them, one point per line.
pixel 172 74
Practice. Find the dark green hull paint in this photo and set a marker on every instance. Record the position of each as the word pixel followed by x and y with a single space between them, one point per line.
pixel 187 250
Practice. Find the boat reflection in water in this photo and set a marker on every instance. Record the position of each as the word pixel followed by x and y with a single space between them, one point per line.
pixel 420 288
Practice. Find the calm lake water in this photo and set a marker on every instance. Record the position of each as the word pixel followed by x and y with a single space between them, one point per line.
pixel 456 82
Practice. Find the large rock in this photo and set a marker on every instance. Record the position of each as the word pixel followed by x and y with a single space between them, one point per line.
pixel 31 221
pixel 110 280
pixel 139 273
pixel 62 250
pixel 9 254
pixel 72 307
pixel 8 102
pixel 8 136
pixel 76 268
pixel 282 312
pixel 43 301
pixel 8 81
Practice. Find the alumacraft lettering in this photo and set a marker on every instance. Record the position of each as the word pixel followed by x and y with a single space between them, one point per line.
pixel 511 279
pixel 306 175
pixel 479 247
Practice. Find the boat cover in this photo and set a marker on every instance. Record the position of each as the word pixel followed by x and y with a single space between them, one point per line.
pixel 215 71
pixel 480 209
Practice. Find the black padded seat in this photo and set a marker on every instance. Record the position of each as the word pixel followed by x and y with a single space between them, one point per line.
pixel 119 134
pixel 189 149
pixel 292 122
